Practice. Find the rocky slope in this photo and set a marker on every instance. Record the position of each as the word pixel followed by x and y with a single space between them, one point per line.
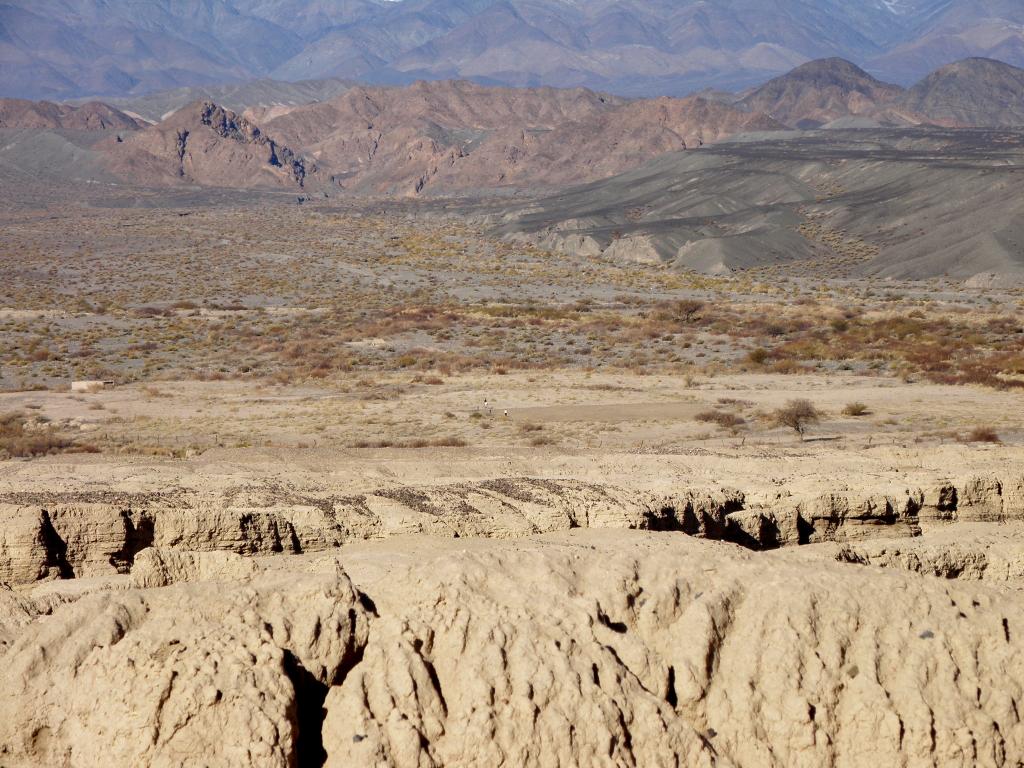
pixel 238 97
pixel 203 143
pixel 92 116
pixel 970 92
pixel 820 92
pixel 907 204
pixel 429 137
pixel 456 135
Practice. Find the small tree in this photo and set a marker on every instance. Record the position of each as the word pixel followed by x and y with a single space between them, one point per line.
pixel 797 415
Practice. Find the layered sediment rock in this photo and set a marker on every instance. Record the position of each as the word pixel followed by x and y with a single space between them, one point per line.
pixel 970 551
pixel 92 534
pixel 191 674
pixel 593 647
pixel 679 653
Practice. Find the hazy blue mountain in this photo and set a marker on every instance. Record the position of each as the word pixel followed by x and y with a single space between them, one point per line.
pixel 65 48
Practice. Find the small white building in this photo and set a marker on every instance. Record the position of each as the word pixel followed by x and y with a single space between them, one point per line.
pixel 90 386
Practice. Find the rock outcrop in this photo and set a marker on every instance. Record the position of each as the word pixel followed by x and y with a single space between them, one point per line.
pixel 89 534
pixel 203 143
pixel 100 534
pixel 821 91
pixel 677 652
pixel 576 648
pixel 444 136
pixel 976 552
pixel 45 115
pixel 162 567
pixel 975 91
pixel 227 675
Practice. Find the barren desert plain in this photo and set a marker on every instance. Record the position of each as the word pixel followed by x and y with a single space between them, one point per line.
pixel 456 425
pixel 372 486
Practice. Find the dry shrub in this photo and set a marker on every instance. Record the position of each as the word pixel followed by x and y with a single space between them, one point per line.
pixel 440 442
pixel 856 408
pixel 789 367
pixel 19 441
pixel 758 356
pixel 982 434
pixel 724 419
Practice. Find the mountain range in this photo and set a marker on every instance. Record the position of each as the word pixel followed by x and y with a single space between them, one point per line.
pixel 457 136
pixel 63 49
pixel 438 136
pixel 974 92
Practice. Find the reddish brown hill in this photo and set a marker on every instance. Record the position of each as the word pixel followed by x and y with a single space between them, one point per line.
pixel 457 136
pixel 428 137
pixel 203 143
pixel 94 116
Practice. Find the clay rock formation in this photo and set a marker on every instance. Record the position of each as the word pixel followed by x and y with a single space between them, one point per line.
pixel 671 651
pixel 227 675
pixel 205 144
pixel 155 567
pixel 964 551
pixel 66 535
pixel 89 534
pixel 576 648
pixel 640 654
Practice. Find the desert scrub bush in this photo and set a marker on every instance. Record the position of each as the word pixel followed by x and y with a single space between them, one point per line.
pixel 798 415
pixel 724 419
pixel 855 408
pixel 982 434
pixel 757 356
pixel 19 439
pixel 439 442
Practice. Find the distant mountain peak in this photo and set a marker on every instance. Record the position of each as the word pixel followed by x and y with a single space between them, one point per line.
pixel 818 92
pixel 835 71
pixel 974 91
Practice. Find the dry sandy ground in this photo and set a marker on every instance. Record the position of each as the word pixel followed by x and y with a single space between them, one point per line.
pixel 253 588
pixel 578 414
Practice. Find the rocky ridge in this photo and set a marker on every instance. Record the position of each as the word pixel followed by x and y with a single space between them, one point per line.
pixel 206 144
pixel 91 116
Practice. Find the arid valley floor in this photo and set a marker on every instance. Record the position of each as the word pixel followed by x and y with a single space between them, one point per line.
pixel 372 486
